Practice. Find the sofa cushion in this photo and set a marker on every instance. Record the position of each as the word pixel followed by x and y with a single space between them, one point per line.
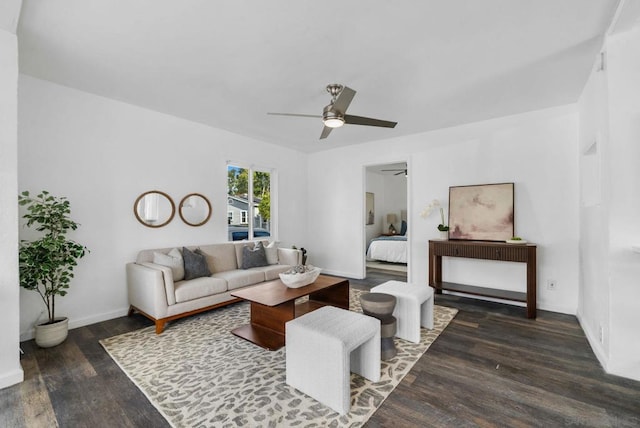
pixel 199 287
pixel 289 256
pixel 146 256
pixel 238 248
pixel 253 257
pixel 220 257
pixel 172 260
pixel 271 251
pixel 240 278
pixel 272 272
pixel 195 265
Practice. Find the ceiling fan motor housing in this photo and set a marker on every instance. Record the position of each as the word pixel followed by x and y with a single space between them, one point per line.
pixel 332 118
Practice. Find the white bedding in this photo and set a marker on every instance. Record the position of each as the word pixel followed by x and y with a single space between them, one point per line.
pixel 388 251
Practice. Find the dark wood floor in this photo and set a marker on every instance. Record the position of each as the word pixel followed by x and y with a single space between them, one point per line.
pixel 490 367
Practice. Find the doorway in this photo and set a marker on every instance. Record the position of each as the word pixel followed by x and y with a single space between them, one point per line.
pixel 386 225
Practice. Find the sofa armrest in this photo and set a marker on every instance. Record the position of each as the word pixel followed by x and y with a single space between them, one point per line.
pixel 167 276
pixel 146 289
pixel 289 256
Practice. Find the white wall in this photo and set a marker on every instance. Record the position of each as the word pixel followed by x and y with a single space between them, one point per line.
pixel 536 150
pixel 624 224
pixel 594 304
pixel 374 183
pixel 395 190
pixel 610 115
pixel 102 154
pixel 10 370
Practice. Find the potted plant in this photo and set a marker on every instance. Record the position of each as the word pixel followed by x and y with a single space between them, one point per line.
pixel 46 264
pixel 442 227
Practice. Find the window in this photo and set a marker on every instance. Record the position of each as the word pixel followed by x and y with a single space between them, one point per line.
pixel 249 210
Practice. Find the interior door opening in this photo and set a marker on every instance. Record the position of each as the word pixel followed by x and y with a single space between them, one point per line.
pixel 386 220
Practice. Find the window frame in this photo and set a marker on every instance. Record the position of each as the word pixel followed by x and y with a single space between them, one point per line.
pixel 252 211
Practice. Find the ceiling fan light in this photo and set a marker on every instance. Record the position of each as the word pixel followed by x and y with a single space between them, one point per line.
pixel 333 122
pixel 332 118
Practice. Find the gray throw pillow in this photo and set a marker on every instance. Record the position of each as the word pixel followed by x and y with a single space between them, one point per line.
pixel 195 265
pixel 255 257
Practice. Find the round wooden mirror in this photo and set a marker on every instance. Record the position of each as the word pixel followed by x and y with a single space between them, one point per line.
pixel 195 209
pixel 154 208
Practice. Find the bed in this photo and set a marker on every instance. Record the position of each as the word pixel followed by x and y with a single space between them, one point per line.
pixel 388 249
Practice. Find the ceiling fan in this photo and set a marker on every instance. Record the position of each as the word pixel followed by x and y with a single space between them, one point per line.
pixel 400 171
pixel 334 114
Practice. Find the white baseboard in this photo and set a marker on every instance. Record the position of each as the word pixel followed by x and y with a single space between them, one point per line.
pixel 541 306
pixel 561 309
pixel 595 344
pixel 75 323
pixel 485 298
pixel 342 274
pixel 11 378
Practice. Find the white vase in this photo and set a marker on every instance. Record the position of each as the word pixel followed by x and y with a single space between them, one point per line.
pixel 444 234
pixel 48 335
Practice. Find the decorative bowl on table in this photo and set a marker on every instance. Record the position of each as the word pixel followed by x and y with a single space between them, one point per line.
pixel 300 275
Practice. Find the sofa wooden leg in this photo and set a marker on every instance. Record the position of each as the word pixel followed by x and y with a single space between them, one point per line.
pixel 131 311
pixel 160 326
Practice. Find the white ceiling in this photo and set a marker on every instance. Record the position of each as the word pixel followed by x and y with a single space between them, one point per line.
pixel 426 64
pixel 9 14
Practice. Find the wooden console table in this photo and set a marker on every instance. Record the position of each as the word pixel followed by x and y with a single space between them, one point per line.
pixel 500 251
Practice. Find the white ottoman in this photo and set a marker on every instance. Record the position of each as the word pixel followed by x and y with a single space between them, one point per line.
pixel 414 307
pixel 324 346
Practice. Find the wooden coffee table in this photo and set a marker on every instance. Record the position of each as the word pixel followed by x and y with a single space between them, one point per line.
pixel 273 304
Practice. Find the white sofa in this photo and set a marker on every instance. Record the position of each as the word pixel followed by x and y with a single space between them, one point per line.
pixel 154 293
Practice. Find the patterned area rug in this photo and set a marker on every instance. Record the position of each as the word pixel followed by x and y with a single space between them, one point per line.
pixel 198 374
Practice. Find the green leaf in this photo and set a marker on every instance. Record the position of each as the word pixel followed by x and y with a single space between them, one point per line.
pixel 46 264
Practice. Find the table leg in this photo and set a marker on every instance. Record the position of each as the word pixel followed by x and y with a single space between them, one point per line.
pixel 532 281
pixel 337 296
pixel 267 325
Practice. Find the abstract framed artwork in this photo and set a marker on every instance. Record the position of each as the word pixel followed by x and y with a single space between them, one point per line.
pixel 370 214
pixel 481 212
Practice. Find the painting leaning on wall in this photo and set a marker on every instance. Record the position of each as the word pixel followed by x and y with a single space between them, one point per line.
pixel 481 212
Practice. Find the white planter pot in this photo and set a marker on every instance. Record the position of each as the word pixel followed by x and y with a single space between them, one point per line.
pixel 48 335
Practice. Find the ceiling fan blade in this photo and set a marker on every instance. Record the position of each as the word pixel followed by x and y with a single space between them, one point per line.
pixel 325 132
pixel 359 120
pixel 343 100
pixel 295 114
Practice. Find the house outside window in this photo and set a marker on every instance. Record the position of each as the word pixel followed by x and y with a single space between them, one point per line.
pixel 249 193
